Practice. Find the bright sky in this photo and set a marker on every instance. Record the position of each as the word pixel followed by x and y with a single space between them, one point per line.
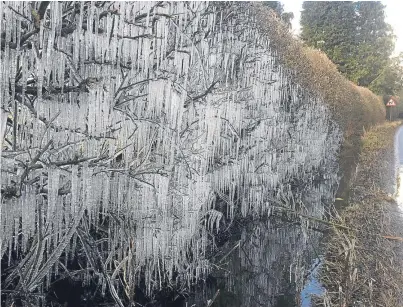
pixel 394 10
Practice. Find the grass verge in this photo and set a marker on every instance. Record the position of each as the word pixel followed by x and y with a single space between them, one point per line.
pixel 363 261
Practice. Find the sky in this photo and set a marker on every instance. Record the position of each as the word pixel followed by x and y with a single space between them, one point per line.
pixel 393 11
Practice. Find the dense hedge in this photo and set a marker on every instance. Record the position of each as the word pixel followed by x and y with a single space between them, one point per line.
pixel 353 107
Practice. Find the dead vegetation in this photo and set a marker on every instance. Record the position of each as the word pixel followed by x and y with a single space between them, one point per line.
pixel 363 259
pixel 363 265
pixel 353 107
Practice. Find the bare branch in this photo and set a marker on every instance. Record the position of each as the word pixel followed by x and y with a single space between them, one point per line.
pixel 208 91
pixel 31 165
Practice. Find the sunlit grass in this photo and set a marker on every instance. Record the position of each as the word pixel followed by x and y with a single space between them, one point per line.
pixel 379 137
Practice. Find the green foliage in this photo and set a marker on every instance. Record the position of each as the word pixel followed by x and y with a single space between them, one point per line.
pixel 355 36
pixel 390 79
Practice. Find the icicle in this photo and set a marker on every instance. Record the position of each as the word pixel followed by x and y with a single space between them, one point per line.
pixel 74 191
pixel 16 234
pixel 77 36
pixel 179 153
pixel 53 189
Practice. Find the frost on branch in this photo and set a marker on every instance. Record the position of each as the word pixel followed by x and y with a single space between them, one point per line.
pixel 136 119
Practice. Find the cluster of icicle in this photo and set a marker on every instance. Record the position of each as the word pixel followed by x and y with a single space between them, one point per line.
pixel 175 105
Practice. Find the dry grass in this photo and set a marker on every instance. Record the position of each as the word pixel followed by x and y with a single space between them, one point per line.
pixel 377 161
pixel 362 267
pixel 364 260
pixel 378 138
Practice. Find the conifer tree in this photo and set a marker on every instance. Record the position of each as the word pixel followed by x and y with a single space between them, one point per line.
pixel 355 36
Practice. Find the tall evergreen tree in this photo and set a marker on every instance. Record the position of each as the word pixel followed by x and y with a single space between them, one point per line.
pixel 328 26
pixel 354 35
